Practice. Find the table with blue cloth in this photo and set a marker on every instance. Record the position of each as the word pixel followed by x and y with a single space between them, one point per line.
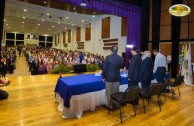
pixel 79 93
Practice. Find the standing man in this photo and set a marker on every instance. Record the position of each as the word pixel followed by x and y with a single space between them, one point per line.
pixel 111 74
pixel 146 70
pixel 159 66
pixel 134 70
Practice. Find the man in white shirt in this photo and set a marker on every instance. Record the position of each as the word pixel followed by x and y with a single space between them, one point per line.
pixel 159 66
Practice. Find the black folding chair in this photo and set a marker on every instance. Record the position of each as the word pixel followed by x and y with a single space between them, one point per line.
pixel 165 87
pixel 178 81
pixel 122 98
pixel 154 89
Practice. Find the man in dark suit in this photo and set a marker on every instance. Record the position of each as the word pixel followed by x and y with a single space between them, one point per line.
pixel 146 70
pixel 111 74
pixel 134 70
pixel 35 66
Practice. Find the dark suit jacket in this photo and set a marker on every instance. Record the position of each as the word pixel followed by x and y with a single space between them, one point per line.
pixel 111 68
pixel 134 70
pixel 147 69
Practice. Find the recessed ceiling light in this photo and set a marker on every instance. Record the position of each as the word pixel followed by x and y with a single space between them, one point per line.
pixel 8 27
pixel 22 22
pixel 24 17
pixel 6 24
pixel 42 20
pixel 72 25
pixel 48 14
pixel 67 17
pixel 93 16
pixel 53 26
pixel 5 20
pixel 59 23
pixel 45 2
pixel 82 20
pixel 25 10
pixel 22 26
pixel 65 28
pixel 38 24
pixel 48 29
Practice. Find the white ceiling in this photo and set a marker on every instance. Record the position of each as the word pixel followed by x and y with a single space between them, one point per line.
pixel 38 22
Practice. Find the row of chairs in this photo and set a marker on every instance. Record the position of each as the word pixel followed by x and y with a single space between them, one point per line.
pixel 131 94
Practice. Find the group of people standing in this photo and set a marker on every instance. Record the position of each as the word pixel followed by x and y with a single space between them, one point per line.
pixel 8 60
pixel 141 69
pixel 43 60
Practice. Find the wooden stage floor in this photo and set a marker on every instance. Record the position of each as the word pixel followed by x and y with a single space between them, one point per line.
pixel 31 103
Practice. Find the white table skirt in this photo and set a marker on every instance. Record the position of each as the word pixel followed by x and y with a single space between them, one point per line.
pixel 84 102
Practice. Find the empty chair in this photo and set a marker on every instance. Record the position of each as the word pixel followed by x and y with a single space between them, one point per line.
pixel 122 98
pixel 178 81
pixel 154 89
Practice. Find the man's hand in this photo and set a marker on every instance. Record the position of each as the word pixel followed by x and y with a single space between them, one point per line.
pixel 103 80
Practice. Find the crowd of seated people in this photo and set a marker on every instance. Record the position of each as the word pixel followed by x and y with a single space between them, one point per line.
pixel 8 60
pixel 43 60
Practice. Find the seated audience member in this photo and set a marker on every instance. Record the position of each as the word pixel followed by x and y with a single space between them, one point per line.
pixel 3 94
pixel 84 61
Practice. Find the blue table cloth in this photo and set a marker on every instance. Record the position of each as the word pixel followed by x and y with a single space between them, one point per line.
pixel 80 84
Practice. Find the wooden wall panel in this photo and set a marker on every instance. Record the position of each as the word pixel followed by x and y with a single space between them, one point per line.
pixel 191 14
pixel 105 28
pixel 166 48
pixel 56 40
pixel 69 36
pixel 150 47
pixel 124 26
pixel 184 31
pixel 165 5
pixel 109 43
pixel 78 34
pixel 165 33
pixel 191 30
pixel 150 34
pixel 59 38
pixel 88 33
pixel 64 37
pixel 165 18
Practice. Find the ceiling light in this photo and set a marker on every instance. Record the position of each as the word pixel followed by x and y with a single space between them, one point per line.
pixel 48 14
pixel 24 17
pixel 93 16
pixel 72 25
pixel 59 23
pixel 22 22
pixel 67 17
pixel 42 20
pixel 6 24
pixel 25 10
pixel 5 20
pixel 48 29
pixel 45 2
pixel 8 27
pixel 22 26
pixel 36 27
pixel 53 26
pixel 65 28
pixel 38 24
pixel 82 20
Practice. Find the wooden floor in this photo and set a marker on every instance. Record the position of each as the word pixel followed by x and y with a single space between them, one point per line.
pixel 31 103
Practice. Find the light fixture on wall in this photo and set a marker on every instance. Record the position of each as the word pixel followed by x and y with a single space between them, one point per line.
pixel 179 10
pixel 129 46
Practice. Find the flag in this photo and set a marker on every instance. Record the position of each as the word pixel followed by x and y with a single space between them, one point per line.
pixel 181 59
pixel 187 68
